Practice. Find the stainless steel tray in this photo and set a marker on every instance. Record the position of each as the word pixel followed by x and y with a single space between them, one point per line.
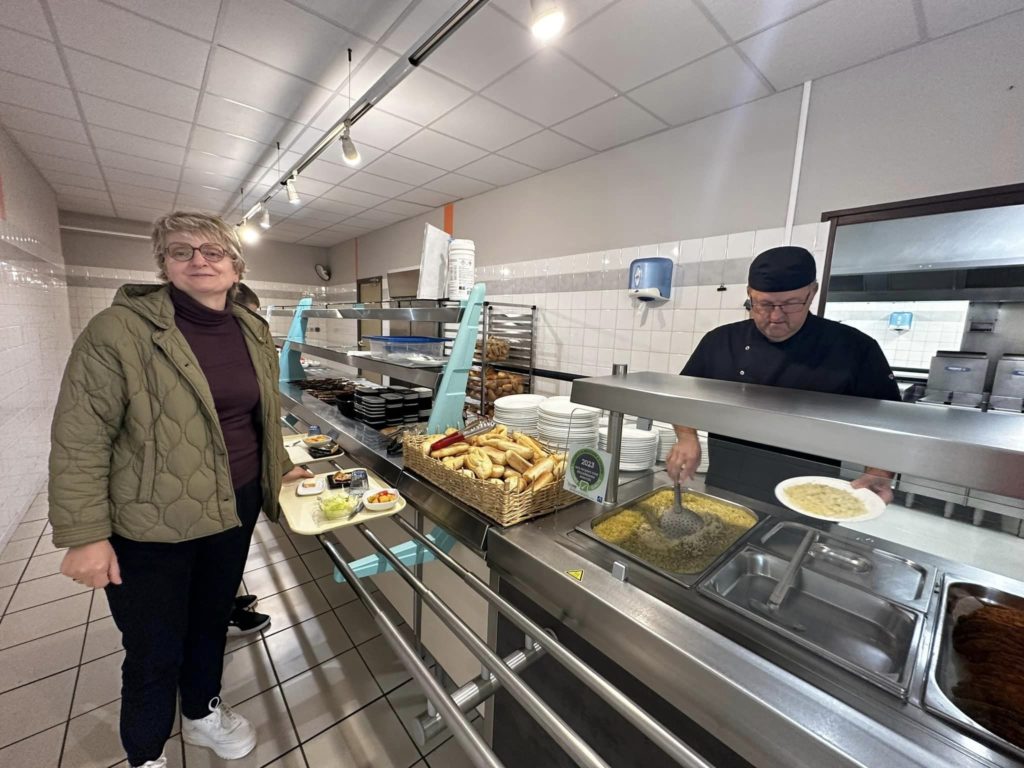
pixel 870 636
pixel 685 579
pixel 874 570
pixel 944 670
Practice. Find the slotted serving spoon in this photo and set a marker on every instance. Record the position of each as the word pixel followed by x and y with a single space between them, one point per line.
pixel 680 521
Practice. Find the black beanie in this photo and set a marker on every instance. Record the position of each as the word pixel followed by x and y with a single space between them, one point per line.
pixel 785 268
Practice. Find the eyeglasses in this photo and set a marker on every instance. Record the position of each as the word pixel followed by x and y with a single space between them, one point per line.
pixel 184 252
pixel 767 307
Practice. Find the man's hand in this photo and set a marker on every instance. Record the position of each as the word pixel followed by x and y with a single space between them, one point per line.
pixel 92 565
pixel 685 456
pixel 296 473
pixel 878 481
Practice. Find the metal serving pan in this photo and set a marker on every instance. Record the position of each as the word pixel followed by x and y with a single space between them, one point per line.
pixel 944 668
pixel 686 579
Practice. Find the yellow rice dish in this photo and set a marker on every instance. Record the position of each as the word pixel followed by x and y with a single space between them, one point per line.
pixel 826 501
pixel 636 530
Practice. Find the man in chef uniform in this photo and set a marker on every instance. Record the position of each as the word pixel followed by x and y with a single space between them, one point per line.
pixel 782 345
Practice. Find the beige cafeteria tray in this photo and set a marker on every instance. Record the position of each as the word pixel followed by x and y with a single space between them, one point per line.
pixel 297 450
pixel 301 512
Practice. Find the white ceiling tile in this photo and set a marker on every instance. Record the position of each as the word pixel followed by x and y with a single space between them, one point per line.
pixel 116 175
pixel 224 166
pixel 497 170
pixel 331 113
pixel 426 197
pixel 425 15
pixel 637 40
pixel 26 16
pixel 110 114
pixel 62 165
pixel 831 37
pixel 324 240
pixel 15 89
pixel 546 150
pixel 127 191
pixel 311 187
pixel 164 201
pixel 376 185
pixel 610 124
pixel 382 130
pixel 576 11
pixel 437 149
pixel 346 232
pixel 289 38
pixel 404 208
pixel 32 143
pixel 115 34
pixel 742 18
pixel 314 217
pixel 83 205
pixel 242 120
pixel 21 119
pixel 140 146
pixel 377 214
pixel 137 164
pixel 141 213
pixel 485 124
pixel 93 193
pixel 459 186
pixel 945 16
pixel 423 97
pixel 197 17
pixel 370 20
pixel 127 86
pixel 369 70
pixel 334 207
pixel 405 170
pixel 227 145
pixel 219 191
pixel 30 56
pixel 482 50
pixel 238 77
pixel 365 223
pixel 719 81
pixel 549 88
pixel 354 196
pixel 70 179
pixel 322 170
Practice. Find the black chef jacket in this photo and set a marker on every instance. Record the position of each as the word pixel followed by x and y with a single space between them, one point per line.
pixel 823 356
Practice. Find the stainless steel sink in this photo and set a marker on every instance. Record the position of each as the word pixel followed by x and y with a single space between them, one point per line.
pixel 868 635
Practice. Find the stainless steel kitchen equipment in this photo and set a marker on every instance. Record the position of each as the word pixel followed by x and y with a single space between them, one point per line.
pixel 956 378
pixel 1008 385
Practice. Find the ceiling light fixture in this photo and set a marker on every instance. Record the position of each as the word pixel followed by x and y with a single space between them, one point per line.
pixel 293 193
pixel 248 235
pixel 349 153
pixel 265 216
pixel 547 20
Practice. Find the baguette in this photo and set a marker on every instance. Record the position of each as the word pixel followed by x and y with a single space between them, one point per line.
pixel 451 450
pixel 468 473
pixel 497 471
pixel 517 462
pixel 496 456
pixel 480 463
pixel 497 481
pixel 454 462
pixel 528 442
pixel 425 445
pixel 513 483
pixel 450 431
pixel 534 472
pixel 559 469
pixel 543 481
pixel 508 445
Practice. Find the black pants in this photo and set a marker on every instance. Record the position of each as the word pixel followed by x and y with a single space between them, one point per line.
pixel 172 608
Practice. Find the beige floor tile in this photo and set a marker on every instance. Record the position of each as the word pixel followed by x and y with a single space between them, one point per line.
pixel 318 563
pixel 43 620
pixel 174 751
pixel 44 590
pixel 449 755
pixel 305 645
pixel 17 550
pixel 247 672
pixel 266 532
pixel 102 639
pixel 293 759
pixel 43 565
pixel 288 608
pixel 276 578
pixel 36 511
pixel 45 546
pixel 336 592
pixel 269 717
pixel 371 738
pixel 6 593
pixel 36 707
pixel 409 702
pixel 31 529
pixel 263 553
pixel 100 607
pixel 39 751
pixel 93 739
pixel 329 693
pixel 99 683
pixel 240 641
pixel 10 573
pixel 387 669
pixel 40 658
pixel 305 544
pixel 357 622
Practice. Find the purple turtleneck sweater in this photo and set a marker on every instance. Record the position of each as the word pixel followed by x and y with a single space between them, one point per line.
pixel 219 346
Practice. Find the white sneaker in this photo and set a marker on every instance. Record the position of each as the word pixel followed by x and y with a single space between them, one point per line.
pixel 159 763
pixel 227 733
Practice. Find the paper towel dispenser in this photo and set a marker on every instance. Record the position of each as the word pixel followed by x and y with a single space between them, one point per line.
pixel 650 279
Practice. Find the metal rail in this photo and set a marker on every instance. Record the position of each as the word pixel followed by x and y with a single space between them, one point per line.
pixel 622 704
pixel 565 736
pixel 476 748
pixel 423 376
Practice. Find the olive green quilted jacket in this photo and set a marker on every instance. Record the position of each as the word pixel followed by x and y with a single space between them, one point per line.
pixel 136 446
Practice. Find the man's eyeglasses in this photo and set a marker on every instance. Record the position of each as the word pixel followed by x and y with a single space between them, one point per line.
pixel 767 307
pixel 184 252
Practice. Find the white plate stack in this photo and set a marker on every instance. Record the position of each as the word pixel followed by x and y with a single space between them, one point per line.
pixel 562 424
pixel 639 448
pixel 518 412
pixel 703 437
pixel 666 440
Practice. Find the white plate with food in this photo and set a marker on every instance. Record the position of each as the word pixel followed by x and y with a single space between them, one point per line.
pixel 829 498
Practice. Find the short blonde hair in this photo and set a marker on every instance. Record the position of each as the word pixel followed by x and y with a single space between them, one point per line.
pixel 194 223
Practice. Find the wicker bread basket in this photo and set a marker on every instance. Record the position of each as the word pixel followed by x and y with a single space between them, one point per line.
pixel 501 506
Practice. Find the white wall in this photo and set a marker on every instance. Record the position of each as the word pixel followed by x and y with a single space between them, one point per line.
pixel 34 331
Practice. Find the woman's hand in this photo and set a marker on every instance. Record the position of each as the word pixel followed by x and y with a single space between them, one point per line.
pixel 296 473
pixel 92 565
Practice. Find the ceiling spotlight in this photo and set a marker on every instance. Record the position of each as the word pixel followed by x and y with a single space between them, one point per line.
pixel 349 153
pixel 265 217
pixel 547 20
pixel 248 234
pixel 293 193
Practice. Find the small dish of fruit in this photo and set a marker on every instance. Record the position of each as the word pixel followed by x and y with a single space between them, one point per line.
pixel 381 499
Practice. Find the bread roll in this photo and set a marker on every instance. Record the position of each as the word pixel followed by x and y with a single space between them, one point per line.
pixel 543 481
pixel 454 462
pixel 534 472
pixel 497 471
pixel 480 463
pixel 452 450
pixel 517 462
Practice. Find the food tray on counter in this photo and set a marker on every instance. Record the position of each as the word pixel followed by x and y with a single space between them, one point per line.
pixel 302 512
pixel 947 668
pixel 299 453
pixel 499 505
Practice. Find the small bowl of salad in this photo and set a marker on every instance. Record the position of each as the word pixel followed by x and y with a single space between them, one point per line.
pixel 337 505
pixel 380 499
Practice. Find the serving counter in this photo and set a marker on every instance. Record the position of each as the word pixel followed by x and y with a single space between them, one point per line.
pixel 719 682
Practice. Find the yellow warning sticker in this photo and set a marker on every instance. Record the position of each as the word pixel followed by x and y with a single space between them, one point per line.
pixel 576 573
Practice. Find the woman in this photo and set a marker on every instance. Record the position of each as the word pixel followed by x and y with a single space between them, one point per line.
pixel 165 446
